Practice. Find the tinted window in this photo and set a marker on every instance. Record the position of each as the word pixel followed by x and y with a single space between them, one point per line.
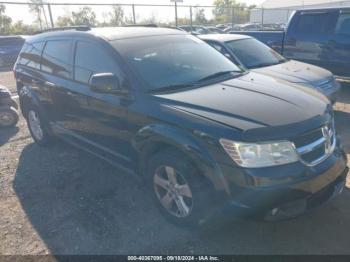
pixel 222 50
pixel 172 60
pixel 90 60
pixel 253 54
pixel 30 55
pixel 57 58
pixel 315 24
pixel 343 24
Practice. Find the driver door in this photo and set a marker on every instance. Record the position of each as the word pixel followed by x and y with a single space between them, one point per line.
pixel 102 121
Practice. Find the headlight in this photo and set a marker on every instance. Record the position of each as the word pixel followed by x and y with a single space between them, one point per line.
pixel 260 154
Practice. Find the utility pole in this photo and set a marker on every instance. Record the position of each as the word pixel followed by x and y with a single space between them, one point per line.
pixel 191 18
pixel 50 14
pixel 133 14
pixel 175 13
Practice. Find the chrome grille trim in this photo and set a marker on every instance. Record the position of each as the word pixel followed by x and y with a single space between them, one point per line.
pixel 311 147
pixel 328 141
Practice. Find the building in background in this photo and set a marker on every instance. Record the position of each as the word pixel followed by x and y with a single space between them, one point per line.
pixel 277 11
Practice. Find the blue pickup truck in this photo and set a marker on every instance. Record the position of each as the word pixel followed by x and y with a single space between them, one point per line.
pixel 316 36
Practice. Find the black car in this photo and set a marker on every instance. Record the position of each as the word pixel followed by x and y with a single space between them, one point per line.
pixel 203 134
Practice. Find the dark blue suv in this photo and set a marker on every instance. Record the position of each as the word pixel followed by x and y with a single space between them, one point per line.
pixel 202 133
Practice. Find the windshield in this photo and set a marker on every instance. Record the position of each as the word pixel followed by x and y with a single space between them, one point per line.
pixel 253 54
pixel 174 60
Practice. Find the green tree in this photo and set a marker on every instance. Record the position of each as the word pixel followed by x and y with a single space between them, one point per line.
pixel 199 17
pixel 65 20
pixel 37 9
pixel 226 11
pixel 5 21
pixel 116 16
pixel 85 16
pixel 19 28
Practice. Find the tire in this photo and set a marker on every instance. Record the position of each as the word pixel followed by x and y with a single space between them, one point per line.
pixel 8 117
pixel 38 127
pixel 189 189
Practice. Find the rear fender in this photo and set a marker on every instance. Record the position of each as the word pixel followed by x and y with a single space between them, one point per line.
pixel 28 98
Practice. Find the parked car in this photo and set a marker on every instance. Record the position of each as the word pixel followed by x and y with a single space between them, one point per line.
pixel 214 30
pixel 248 27
pixel 316 36
pixel 8 108
pixel 194 29
pixel 252 54
pixel 10 46
pixel 203 133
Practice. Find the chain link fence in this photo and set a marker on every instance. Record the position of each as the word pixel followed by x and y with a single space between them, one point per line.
pixel 25 18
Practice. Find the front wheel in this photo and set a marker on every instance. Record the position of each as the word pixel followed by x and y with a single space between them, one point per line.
pixel 179 191
pixel 38 127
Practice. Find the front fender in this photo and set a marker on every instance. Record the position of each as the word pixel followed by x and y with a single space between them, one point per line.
pixel 184 142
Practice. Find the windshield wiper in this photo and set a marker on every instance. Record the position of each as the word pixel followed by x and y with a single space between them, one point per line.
pixel 216 75
pixel 268 64
pixel 173 87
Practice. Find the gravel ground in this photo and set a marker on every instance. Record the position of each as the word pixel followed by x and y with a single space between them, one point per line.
pixel 63 201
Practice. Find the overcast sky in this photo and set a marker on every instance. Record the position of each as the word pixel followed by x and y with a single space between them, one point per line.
pixel 20 12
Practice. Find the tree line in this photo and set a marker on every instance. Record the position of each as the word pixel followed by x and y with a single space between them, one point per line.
pixel 224 11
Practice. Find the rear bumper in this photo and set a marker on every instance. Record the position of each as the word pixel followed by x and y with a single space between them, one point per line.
pixel 287 191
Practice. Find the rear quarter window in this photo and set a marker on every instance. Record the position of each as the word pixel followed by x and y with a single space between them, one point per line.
pixel 31 55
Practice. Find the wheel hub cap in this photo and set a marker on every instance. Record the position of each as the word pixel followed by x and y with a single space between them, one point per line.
pixel 173 191
pixel 35 125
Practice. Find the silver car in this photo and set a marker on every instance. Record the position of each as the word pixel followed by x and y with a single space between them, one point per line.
pixel 253 55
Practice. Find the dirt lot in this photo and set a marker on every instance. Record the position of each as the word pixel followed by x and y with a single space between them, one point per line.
pixel 63 201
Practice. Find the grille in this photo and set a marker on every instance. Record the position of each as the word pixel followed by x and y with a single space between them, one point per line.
pixel 328 84
pixel 315 146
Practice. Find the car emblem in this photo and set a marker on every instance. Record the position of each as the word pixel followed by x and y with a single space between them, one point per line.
pixel 327 134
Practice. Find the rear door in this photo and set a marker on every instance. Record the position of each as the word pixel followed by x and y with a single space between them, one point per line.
pixel 57 69
pixel 308 37
pixel 339 45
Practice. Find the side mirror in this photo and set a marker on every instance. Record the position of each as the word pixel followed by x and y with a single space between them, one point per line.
pixel 107 83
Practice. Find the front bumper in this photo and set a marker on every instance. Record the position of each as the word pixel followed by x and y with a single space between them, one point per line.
pixel 281 192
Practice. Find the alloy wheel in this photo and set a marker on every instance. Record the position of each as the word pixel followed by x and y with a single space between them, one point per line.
pixel 35 125
pixel 173 191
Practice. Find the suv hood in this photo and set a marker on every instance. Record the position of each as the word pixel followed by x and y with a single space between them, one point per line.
pixel 296 72
pixel 250 101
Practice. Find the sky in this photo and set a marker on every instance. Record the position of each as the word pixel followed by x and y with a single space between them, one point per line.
pixel 20 12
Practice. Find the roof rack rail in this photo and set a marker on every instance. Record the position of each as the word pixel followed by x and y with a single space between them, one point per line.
pixel 141 25
pixel 63 28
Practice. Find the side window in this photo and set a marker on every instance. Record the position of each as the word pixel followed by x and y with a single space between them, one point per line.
pixel 31 55
pixel 343 24
pixel 313 23
pixel 56 58
pixel 90 60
